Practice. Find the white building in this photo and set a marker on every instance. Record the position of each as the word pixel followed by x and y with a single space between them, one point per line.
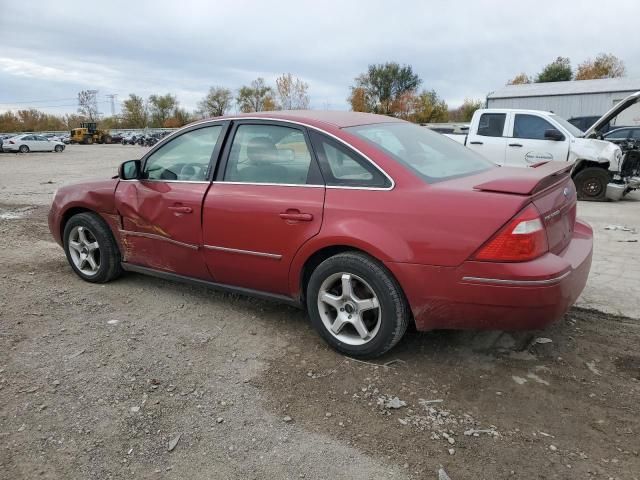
pixel 575 98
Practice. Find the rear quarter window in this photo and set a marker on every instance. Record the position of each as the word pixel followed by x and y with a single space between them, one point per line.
pixel 431 156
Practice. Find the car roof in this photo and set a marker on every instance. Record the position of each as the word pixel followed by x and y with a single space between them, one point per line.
pixel 335 118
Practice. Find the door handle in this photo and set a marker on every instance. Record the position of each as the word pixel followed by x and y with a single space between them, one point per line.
pixel 476 143
pixel 295 215
pixel 180 209
pixel 515 144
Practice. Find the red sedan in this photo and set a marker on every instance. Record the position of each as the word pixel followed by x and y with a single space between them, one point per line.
pixel 367 221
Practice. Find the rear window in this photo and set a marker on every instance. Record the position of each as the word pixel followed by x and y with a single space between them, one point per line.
pixel 432 156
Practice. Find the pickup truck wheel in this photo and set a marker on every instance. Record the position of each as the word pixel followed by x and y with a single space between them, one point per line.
pixel 591 184
pixel 356 305
pixel 91 249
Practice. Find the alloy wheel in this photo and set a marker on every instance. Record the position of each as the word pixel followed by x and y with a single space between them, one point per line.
pixel 84 250
pixel 349 308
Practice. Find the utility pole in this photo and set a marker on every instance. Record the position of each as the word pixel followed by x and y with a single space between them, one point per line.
pixel 113 97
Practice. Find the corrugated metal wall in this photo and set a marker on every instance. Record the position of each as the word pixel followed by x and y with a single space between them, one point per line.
pixel 566 106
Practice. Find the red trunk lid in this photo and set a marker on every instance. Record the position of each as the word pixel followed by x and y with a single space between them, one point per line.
pixel 552 192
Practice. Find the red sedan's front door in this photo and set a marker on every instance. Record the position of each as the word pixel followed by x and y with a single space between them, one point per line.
pixel 268 203
pixel 161 225
pixel 161 213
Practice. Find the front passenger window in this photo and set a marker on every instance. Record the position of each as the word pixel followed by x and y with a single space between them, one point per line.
pixel 530 127
pixel 185 158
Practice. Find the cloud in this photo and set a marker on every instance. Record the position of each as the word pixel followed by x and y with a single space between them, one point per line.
pixel 460 49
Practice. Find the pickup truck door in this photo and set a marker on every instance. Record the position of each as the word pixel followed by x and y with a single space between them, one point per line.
pixel 528 145
pixel 161 213
pixel 488 136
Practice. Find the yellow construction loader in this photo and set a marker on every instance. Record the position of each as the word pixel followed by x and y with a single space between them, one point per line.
pixel 88 133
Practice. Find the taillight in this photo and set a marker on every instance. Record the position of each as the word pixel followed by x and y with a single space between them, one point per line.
pixel 12 142
pixel 523 238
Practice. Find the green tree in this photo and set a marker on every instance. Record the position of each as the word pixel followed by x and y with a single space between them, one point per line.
pixel 385 84
pixel 520 79
pixel 605 65
pixel 216 103
pixel 557 71
pixel 292 92
pixel 255 97
pixel 88 105
pixel 134 112
pixel 466 110
pixel 359 100
pixel 161 107
pixel 428 107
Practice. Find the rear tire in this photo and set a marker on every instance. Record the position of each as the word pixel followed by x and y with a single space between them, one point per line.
pixel 356 305
pixel 591 184
pixel 89 140
pixel 91 249
pixel 107 139
pixel 23 149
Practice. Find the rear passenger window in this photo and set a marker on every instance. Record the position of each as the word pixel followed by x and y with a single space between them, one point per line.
pixel 491 124
pixel 268 154
pixel 343 167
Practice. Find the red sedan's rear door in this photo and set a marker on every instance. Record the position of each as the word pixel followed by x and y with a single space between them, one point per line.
pixel 162 212
pixel 267 203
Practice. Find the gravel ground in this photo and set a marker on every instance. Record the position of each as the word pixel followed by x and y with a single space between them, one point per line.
pixel 144 378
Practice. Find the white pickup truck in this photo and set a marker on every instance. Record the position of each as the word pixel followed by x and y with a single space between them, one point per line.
pixel 526 138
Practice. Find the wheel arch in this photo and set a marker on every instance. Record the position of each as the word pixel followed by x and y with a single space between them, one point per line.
pixel 70 212
pixel 320 254
pixel 582 164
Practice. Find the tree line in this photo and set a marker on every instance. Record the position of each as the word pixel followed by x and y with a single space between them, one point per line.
pixel 386 88
pixel 604 65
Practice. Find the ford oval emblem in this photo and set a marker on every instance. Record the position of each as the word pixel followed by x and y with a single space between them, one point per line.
pixel 566 191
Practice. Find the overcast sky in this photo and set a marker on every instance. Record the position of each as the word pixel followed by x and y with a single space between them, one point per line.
pixel 51 50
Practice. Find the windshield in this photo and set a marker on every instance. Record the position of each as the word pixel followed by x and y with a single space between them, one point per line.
pixel 572 129
pixel 432 156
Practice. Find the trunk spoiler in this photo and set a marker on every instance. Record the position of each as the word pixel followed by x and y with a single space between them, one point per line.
pixel 616 110
pixel 527 181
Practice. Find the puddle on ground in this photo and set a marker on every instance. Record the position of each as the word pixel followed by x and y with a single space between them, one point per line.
pixel 14 213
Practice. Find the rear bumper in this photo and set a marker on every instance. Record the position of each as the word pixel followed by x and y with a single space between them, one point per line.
pixel 502 296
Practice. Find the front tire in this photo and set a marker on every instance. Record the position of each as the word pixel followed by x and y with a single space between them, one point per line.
pixel 91 249
pixel 356 305
pixel 23 149
pixel 58 148
pixel 89 140
pixel 591 184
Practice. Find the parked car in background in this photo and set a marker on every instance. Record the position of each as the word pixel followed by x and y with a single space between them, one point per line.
pixel 129 139
pixel 116 137
pixel 32 143
pixel 367 221
pixel 623 135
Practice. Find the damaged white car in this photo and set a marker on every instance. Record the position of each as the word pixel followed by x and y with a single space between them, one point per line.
pixel 527 138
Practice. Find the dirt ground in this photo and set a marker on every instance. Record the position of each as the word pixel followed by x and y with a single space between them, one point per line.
pixel 144 378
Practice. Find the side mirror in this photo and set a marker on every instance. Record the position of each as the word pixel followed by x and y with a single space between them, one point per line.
pixel 129 170
pixel 553 134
